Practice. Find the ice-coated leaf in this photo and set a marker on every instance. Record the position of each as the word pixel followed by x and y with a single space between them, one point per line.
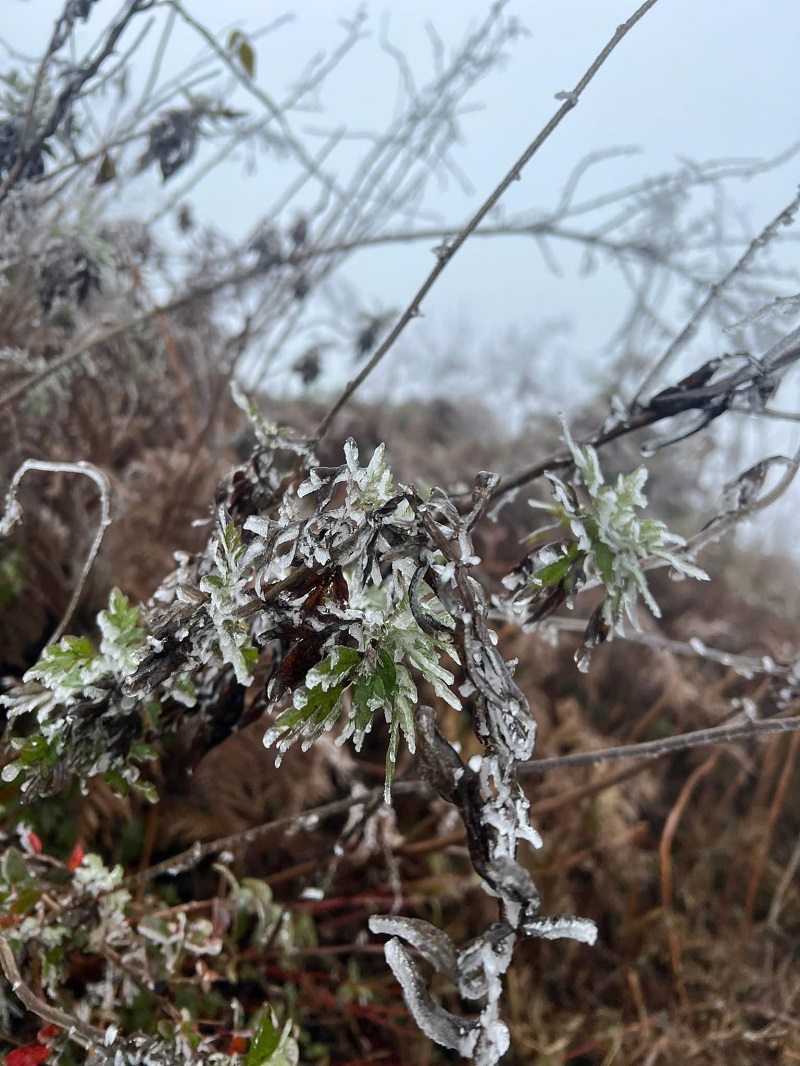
pixel 585 459
pixel 406 639
pixel 67 667
pixel 267 433
pixel 781 305
pixel 438 1024
pixel 271 1045
pixel 226 591
pixel 615 539
pixel 562 927
pixel 312 713
pixel 433 943
pixel 123 635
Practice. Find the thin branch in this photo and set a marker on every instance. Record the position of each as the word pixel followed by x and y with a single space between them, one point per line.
pixel 306 85
pixel 657 749
pixel 709 173
pixel 520 228
pixel 274 111
pixel 295 823
pixel 69 93
pixel 77 1030
pixel 784 218
pixel 785 883
pixel 722 393
pixel 745 665
pixel 13 513
pixel 726 522
pixel 450 248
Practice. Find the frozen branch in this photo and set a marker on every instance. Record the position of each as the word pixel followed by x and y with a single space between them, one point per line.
pixel 13 513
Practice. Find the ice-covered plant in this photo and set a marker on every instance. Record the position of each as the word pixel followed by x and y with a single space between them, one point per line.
pixel 71 717
pixel 373 677
pixel 615 539
pixel 611 542
pixel 357 587
pixel 224 588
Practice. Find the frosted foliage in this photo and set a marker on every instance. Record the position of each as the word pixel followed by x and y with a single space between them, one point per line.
pixel 489 800
pixel 562 928
pixel 432 943
pixel 225 589
pixel 615 538
pixel 357 587
pixel 603 540
pixel 77 676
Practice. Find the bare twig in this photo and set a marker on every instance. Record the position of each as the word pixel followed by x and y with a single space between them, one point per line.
pixel 450 248
pixel 289 825
pixel 745 665
pixel 296 823
pixel 77 1030
pixel 656 749
pixel 275 112
pixel 721 393
pixel 12 514
pixel 785 883
pixel 726 522
pixel 785 217
pixel 70 91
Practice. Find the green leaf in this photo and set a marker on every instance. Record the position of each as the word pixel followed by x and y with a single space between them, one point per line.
pixel 141 751
pixel 363 706
pixel 386 671
pixel 401 720
pixel 12 576
pixel 313 711
pixel 247 57
pixel 333 669
pixel 123 633
pixel 264 1042
pixel 146 789
pixel 15 869
pixel 241 46
pixel 34 750
pixel 342 660
pixel 250 654
pixel 553 574
pixel 116 782
pixel 604 559
pixel 70 664
pixel 25 901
